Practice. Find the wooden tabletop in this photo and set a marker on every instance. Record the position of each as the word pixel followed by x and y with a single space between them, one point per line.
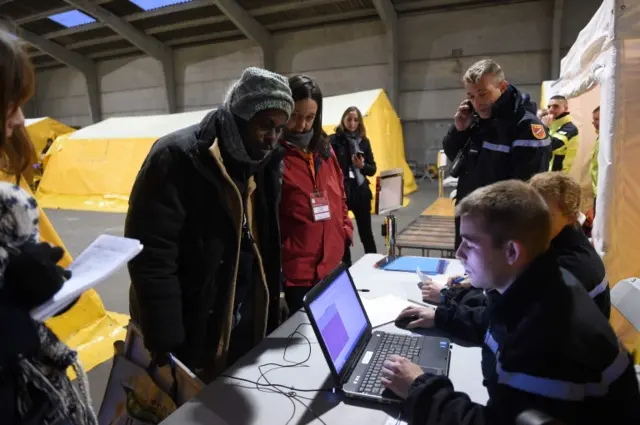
pixel 442 207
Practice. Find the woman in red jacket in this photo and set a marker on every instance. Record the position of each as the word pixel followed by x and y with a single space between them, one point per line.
pixel 313 210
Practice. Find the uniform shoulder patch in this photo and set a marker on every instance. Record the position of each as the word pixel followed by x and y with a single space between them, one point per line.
pixel 538 131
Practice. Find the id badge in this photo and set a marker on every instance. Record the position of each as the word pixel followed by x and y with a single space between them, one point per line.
pixel 320 206
pixel 352 175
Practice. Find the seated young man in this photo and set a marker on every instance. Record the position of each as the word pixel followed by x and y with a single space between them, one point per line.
pixel 462 313
pixel 547 346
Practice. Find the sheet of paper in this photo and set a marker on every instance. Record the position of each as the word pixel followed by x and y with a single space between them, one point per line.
pixel 385 309
pixel 101 259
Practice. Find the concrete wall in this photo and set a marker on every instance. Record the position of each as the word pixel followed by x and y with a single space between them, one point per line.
pixel 434 50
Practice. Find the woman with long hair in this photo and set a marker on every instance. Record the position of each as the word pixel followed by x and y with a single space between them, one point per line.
pixel 353 150
pixel 314 221
pixel 34 387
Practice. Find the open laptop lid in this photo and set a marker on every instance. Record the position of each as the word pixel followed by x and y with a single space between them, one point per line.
pixel 339 320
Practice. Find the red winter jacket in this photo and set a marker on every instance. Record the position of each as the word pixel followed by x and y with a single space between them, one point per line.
pixel 311 249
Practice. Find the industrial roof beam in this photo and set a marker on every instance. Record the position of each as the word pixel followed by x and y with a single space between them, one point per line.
pixel 194 4
pixel 389 17
pixel 86 66
pixel 224 35
pixel 47 13
pixel 556 38
pixel 151 46
pixel 251 28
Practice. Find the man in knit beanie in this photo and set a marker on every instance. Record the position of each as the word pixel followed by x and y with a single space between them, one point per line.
pixel 262 98
pixel 207 286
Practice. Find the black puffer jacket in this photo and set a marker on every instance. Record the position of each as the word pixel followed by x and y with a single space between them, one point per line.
pixel 185 211
pixel 513 144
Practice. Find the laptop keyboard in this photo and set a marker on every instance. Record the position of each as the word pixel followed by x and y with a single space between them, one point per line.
pixel 403 345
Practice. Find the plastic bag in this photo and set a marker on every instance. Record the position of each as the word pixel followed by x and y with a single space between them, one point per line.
pixel 140 393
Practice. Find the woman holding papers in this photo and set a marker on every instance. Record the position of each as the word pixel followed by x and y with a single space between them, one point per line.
pixel 34 387
pixel 313 210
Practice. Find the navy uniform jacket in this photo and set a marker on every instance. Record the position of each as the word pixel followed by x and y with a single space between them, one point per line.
pixel 577 256
pixel 512 144
pixel 547 348
pixel 463 314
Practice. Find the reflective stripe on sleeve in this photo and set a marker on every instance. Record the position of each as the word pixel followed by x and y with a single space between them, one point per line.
pixel 555 388
pixel 599 289
pixel 531 143
pixel 495 147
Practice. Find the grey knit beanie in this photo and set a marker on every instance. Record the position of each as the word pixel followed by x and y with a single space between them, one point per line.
pixel 257 90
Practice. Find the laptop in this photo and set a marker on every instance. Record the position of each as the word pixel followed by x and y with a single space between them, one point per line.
pixel 353 350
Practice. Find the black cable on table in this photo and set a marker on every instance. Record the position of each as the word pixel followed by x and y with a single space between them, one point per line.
pixel 288 391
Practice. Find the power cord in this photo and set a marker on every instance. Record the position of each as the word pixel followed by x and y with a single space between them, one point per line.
pixel 291 393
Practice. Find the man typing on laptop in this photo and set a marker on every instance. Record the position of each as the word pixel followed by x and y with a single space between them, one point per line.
pixel 547 347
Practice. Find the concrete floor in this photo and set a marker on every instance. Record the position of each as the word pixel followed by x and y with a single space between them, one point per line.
pixel 78 229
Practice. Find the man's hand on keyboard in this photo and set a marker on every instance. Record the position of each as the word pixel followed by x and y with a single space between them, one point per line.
pixel 398 374
pixel 423 317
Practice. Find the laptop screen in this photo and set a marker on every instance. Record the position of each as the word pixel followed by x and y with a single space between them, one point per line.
pixel 340 319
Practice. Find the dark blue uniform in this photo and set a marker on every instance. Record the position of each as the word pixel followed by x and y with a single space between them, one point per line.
pixel 546 348
pixel 577 256
pixel 512 144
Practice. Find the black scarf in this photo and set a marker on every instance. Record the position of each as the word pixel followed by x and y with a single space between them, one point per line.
pixel 353 139
pixel 238 163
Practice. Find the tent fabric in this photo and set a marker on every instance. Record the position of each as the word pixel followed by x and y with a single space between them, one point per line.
pixel 94 168
pixel 384 131
pixel 86 327
pixel 41 129
pixel 607 54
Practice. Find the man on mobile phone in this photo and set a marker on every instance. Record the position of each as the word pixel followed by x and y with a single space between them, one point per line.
pixel 496 134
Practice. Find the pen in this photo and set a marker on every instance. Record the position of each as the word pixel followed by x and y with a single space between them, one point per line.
pixel 458 280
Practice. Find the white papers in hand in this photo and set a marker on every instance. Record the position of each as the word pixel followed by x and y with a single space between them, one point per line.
pixel 384 309
pixel 101 259
pixel 425 278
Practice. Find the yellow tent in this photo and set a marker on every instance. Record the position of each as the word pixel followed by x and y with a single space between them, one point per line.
pixel 41 129
pixel 384 129
pixel 86 327
pixel 94 168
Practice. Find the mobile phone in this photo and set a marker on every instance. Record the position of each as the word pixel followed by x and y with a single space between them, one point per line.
pixel 470 105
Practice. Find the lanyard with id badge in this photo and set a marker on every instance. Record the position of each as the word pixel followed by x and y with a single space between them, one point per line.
pixel 318 199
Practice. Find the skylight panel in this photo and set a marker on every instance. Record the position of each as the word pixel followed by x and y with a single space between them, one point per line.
pixel 73 18
pixel 156 4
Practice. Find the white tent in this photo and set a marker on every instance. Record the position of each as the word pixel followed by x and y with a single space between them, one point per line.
pixel 606 58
